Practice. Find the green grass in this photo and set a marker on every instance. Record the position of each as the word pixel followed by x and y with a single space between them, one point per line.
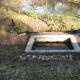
pixel 40 71
pixel 23 22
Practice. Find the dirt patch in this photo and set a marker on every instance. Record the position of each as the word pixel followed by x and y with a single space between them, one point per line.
pixel 11 46
pixel 10 43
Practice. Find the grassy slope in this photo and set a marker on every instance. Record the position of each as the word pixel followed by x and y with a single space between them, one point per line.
pixel 26 22
pixel 11 46
pixel 71 22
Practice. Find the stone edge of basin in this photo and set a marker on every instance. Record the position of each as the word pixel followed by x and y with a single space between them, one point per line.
pixel 29 46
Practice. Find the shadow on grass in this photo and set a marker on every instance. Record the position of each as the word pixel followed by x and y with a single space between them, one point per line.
pixel 78 16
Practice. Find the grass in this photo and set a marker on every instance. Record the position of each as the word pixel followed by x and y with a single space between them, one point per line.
pixel 69 20
pixel 41 71
pixel 26 22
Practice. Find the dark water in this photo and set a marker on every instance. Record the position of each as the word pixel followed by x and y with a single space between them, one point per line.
pixel 52 46
pixel 53 6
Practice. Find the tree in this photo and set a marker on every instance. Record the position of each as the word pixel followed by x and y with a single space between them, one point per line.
pixel 18 5
pixel 12 4
pixel 46 8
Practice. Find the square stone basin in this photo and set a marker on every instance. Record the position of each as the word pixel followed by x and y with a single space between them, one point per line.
pixel 52 43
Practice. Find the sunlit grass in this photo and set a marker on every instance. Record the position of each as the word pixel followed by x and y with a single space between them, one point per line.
pixel 26 22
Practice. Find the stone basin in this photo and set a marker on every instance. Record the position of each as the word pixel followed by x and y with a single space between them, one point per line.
pixel 70 39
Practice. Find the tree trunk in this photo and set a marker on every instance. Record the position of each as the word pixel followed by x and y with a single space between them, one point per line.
pixel 8 9
pixel 19 12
